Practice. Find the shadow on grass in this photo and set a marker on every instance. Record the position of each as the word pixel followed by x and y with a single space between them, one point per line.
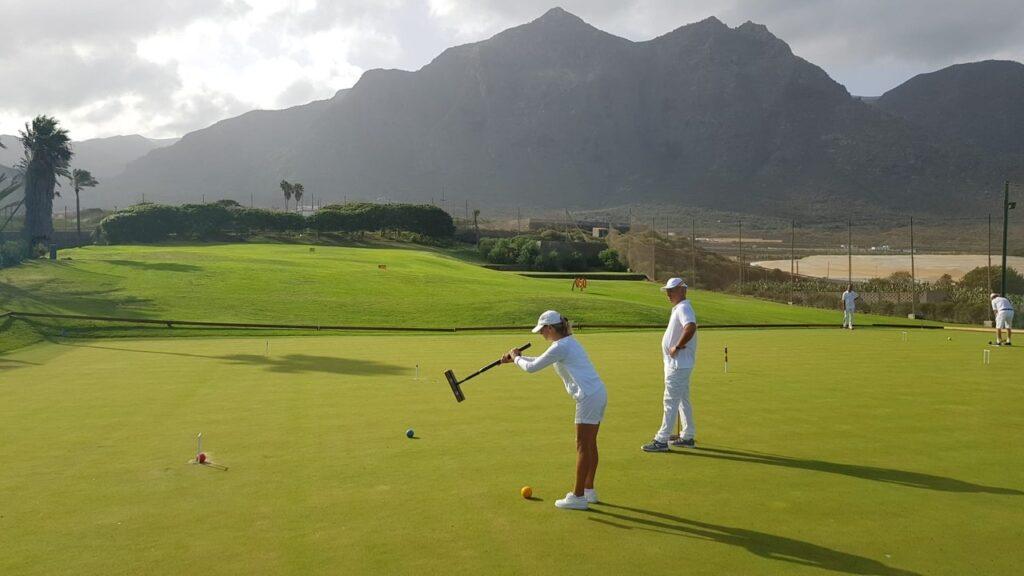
pixel 767 546
pixel 297 363
pixel 288 363
pixel 9 364
pixel 888 475
pixel 55 296
pixel 155 266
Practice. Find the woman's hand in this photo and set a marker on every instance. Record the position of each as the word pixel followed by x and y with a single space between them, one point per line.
pixel 507 358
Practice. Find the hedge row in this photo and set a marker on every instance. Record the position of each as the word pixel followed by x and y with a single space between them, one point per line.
pixel 156 222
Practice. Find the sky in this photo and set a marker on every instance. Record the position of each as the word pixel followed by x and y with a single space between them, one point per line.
pixel 162 68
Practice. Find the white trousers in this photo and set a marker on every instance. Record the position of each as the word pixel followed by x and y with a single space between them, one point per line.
pixel 677 397
pixel 847 319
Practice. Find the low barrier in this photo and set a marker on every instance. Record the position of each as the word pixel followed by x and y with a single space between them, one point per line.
pixel 321 327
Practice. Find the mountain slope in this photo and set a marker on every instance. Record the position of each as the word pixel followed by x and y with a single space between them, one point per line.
pixel 104 157
pixel 558 113
pixel 980 104
pixel 229 159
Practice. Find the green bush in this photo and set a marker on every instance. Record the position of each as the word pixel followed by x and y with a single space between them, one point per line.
pixel 546 262
pixel 205 221
pixel 610 260
pixel 12 253
pixel 365 217
pixel 153 222
pixel 259 220
pixel 978 278
pixel 573 262
pixel 141 223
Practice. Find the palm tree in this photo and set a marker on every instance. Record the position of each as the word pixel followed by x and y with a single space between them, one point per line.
pixel 47 153
pixel 80 179
pixel 286 187
pixel 297 190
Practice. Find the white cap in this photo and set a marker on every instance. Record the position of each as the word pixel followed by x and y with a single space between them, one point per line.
pixel 549 318
pixel 993 295
pixel 673 283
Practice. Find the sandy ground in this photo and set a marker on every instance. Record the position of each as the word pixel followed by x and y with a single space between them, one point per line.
pixel 928 267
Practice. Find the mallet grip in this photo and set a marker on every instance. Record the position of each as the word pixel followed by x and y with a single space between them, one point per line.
pixel 491 365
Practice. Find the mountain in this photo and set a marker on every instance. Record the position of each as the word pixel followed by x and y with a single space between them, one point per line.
pixel 226 160
pixel 104 157
pixel 980 104
pixel 557 113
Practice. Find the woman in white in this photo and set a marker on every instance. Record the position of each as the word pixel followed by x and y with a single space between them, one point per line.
pixel 584 385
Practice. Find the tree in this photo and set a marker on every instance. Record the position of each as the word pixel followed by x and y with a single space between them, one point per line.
pixel 47 154
pixel 286 187
pixel 297 191
pixel 978 278
pixel 80 179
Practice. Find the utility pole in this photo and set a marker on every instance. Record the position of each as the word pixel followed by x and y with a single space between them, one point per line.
pixel 1007 206
pixel 654 250
pixel 693 251
pixel 849 251
pixel 519 221
pixel 467 209
pixel 740 256
pixel 913 272
pixel 792 249
pixel 989 268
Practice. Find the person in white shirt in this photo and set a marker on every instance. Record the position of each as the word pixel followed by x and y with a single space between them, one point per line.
pixel 573 366
pixel 1003 310
pixel 679 354
pixel 849 302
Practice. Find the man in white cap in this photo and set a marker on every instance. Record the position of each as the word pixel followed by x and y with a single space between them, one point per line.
pixel 1003 309
pixel 679 352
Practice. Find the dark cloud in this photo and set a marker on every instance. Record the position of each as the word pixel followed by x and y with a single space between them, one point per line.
pixel 30 24
pixel 56 77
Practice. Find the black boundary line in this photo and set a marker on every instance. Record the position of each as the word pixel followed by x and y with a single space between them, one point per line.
pixel 171 323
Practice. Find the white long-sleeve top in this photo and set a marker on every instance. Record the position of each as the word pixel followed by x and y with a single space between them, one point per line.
pixel 572 365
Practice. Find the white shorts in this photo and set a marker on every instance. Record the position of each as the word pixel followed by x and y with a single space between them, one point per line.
pixel 1004 319
pixel 590 409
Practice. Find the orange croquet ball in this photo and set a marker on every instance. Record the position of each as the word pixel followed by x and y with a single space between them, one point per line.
pixel 527 492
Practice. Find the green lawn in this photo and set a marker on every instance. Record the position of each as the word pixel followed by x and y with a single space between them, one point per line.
pixel 277 283
pixel 821 451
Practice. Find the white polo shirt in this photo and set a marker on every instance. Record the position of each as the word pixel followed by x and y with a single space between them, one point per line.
pixel 1001 304
pixel 682 314
pixel 850 299
pixel 572 365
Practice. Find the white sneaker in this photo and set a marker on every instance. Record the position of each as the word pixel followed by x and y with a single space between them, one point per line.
pixel 591 496
pixel 572 502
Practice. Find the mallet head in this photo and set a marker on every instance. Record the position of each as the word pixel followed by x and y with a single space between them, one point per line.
pixel 454 383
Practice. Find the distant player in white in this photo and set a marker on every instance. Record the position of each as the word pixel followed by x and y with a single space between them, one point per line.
pixel 849 302
pixel 572 365
pixel 1003 310
pixel 679 353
